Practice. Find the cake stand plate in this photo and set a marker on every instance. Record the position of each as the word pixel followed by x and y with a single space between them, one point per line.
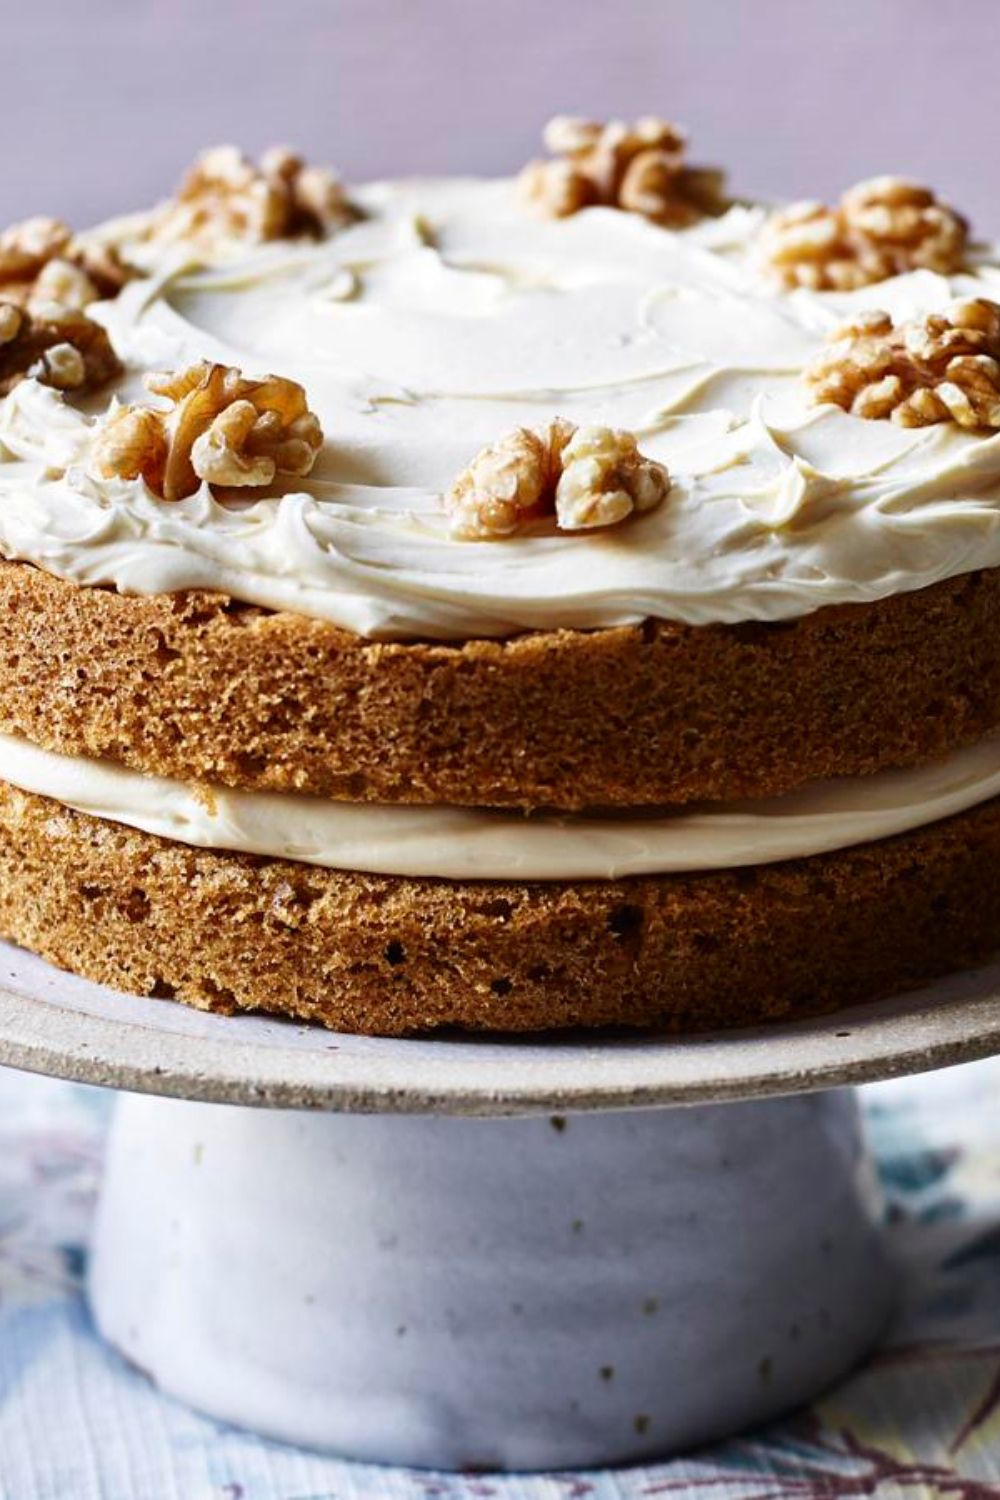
pixel 55 1023
pixel 366 1269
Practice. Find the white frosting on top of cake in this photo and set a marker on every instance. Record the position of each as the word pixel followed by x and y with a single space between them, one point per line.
pixel 450 315
pixel 474 844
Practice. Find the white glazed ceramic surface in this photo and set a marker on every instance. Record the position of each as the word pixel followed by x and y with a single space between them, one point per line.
pixel 506 1293
pixel 52 1022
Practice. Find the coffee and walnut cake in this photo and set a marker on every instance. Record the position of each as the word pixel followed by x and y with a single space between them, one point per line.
pixel 571 600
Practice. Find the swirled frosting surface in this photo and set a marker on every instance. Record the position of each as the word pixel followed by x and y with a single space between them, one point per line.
pixel 472 844
pixel 450 315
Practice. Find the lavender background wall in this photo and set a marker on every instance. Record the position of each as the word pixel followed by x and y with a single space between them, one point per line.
pixel 104 101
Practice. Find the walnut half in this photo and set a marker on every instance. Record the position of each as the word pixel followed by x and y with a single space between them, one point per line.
pixel 58 346
pixel 640 168
pixel 880 228
pixel 220 428
pixel 42 261
pixel 224 195
pixel 939 368
pixel 586 477
pixel 27 247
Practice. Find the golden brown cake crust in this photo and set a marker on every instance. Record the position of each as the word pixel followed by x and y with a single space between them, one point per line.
pixel 197 687
pixel 388 956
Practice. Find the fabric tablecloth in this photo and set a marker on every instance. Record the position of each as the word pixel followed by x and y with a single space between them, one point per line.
pixel 921 1419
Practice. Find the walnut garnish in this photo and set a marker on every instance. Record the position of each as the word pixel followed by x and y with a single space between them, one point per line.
pixel 585 476
pixel 508 483
pixel 43 262
pixel 880 228
pixel 58 346
pixel 604 479
pixel 63 283
pixel 100 260
pixel 224 195
pixel 939 368
pixel 637 167
pixel 221 428
pixel 315 200
pixel 131 442
pixel 28 247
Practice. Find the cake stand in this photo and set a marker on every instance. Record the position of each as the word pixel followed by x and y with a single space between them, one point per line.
pixel 487 1253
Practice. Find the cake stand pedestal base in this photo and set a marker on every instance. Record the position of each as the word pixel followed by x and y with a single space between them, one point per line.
pixel 541 1292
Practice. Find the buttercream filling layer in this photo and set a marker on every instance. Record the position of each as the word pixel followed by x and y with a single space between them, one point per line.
pixel 475 844
pixel 450 315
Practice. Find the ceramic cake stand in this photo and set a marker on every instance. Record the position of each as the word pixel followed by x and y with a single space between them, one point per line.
pixel 471 1253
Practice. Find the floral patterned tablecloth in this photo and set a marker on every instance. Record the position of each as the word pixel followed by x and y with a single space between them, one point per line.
pixel 922 1419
